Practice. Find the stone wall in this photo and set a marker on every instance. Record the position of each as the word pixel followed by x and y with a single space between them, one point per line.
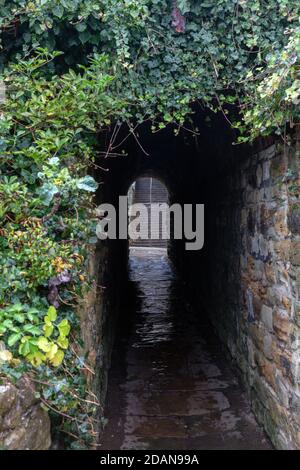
pixel 252 281
pixel 24 424
pixel 99 311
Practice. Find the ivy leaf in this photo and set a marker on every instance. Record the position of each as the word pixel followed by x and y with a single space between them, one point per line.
pixel 52 351
pixel 16 308
pixel 81 26
pixel 13 339
pixel 44 344
pixel 36 358
pixel 24 348
pixel 84 37
pixel 8 324
pixel 63 342
pixel 47 193
pixel 57 358
pixel 32 314
pixel 47 320
pixel 58 11
pixel 32 329
pixel 19 317
pixel 53 161
pixel 51 313
pixel 87 183
pixel 2 329
pixel 64 328
pixel 48 329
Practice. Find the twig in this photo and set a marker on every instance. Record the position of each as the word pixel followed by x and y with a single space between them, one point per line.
pixel 57 201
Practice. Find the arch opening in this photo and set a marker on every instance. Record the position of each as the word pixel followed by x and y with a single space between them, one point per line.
pixel 148 216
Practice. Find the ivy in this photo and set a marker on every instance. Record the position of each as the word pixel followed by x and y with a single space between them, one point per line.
pixel 29 336
pixel 49 129
pixel 209 50
pixel 276 94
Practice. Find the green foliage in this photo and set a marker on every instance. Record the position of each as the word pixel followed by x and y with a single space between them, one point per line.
pixel 226 51
pixel 37 340
pixel 49 129
pixel 276 92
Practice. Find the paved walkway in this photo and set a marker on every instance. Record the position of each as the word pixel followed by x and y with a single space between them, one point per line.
pixel 170 387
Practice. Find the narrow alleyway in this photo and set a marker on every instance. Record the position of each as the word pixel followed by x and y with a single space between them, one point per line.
pixel 170 386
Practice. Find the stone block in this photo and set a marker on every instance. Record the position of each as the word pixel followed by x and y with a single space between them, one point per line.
pixel 270 272
pixel 266 316
pixel 281 324
pixel 288 367
pixel 259 175
pixel 294 338
pixel 267 370
pixel 278 167
pixel 295 253
pixel 282 391
pixel 251 352
pixel 294 218
pixel 263 390
pixel 297 313
pixel 295 403
pixel 24 424
pixel 256 333
pixel 267 346
pixel 282 249
pixel 266 170
pixel 281 222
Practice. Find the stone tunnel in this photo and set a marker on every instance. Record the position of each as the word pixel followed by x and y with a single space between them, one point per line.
pixel 244 283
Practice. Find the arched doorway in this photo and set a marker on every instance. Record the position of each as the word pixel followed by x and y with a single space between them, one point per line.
pixel 147 205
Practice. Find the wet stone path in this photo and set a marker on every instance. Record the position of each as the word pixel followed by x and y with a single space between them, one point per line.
pixel 170 386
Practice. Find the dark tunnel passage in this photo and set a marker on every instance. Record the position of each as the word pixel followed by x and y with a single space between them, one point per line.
pixel 169 385
pixel 179 327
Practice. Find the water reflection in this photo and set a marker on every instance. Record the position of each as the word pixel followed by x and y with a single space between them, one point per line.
pixel 169 386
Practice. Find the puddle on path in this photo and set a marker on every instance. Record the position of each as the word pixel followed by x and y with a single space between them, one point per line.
pixel 169 386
